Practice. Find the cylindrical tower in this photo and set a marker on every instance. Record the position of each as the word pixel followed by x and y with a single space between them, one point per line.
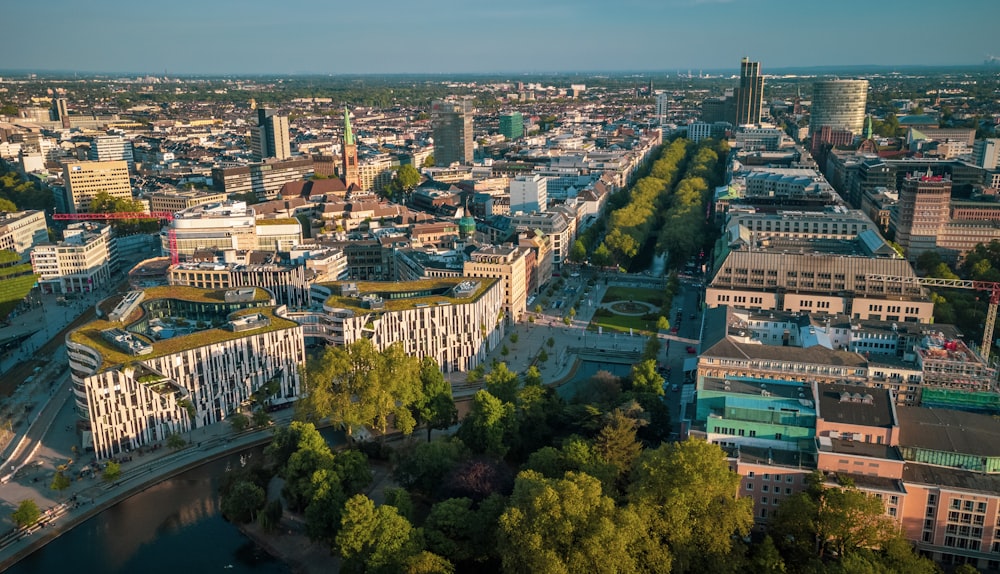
pixel 839 104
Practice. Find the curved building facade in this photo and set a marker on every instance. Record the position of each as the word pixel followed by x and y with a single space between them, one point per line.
pixel 839 104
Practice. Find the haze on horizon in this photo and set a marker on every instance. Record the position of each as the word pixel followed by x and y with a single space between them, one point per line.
pixel 473 36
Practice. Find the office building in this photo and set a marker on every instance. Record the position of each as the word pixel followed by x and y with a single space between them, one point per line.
pixel 839 104
pixel 111 148
pixel 179 200
pixel 262 179
pixel 81 263
pixel 269 138
pixel 528 194
pixel 59 112
pixel 452 128
pixel 556 226
pixel 349 156
pixel 229 225
pixel 455 320
pixel 178 358
pixel 698 131
pixel 85 179
pixel 923 212
pixel 287 282
pixel 508 264
pixel 985 153
pixel 22 230
pixel 512 125
pixel 750 93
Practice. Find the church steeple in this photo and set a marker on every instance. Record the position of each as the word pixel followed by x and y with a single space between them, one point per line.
pixel 348 133
pixel 350 171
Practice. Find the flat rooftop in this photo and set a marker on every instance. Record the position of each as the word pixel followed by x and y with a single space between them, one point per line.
pixel 947 430
pixel 90 334
pixel 401 295
pixel 942 476
pixel 856 405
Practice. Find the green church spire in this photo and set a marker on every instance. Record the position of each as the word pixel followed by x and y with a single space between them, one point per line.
pixel 348 134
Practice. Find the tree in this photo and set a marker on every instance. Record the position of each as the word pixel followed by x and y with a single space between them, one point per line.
pixel 311 456
pixel 569 525
pixel 323 513
pixel 478 478
pixel 353 469
pixel 538 308
pixel 436 406
pixel 849 518
pixel 462 531
pixel 766 559
pixel 551 342
pixel 239 421
pixel 7 205
pixel 426 466
pixel 686 495
pixel 427 563
pixel 489 424
pixel 60 482
pixel 601 256
pixel 408 177
pixel 579 251
pixel 616 443
pixel 260 418
pixel 532 377
pixel 27 513
pixel 645 379
pixel 652 349
pixel 112 471
pixel 374 540
pixel 502 383
pixel 242 500
pixel 663 324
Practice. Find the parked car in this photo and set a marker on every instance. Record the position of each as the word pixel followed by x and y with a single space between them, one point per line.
pixel 691 350
pixel 674 388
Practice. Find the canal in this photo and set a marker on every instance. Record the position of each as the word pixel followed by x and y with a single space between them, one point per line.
pixel 174 526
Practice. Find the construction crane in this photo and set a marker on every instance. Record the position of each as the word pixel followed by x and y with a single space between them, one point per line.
pixel 161 215
pixel 989 286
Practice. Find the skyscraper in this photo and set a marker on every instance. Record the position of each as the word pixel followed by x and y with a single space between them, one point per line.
pixel 750 93
pixel 349 163
pixel 59 112
pixel 269 138
pixel 452 125
pixel 512 125
pixel 923 212
pixel 839 104
pixel 986 153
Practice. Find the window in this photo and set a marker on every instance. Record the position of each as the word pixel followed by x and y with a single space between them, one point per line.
pixel 763 500
pixel 749 486
pixel 981 507
pixel 763 488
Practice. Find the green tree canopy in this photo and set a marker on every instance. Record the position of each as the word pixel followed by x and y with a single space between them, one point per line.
pixel 242 501
pixel 645 379
pixel 374 539
pixel 489 425
pixel 435 406
pixel 26 514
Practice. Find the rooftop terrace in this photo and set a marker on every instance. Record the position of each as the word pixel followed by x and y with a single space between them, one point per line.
pixel 401 295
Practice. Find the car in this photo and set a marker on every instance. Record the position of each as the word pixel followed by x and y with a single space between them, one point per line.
pixel 691 350
pixel 694 315
pixel 674 329
pixel 674 388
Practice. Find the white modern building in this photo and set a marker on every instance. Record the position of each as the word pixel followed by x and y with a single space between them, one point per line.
pixel 82 262
pixel 20 231
pixel 111 148
pixel 181 358
pixel 528 194
pixel 229 225
pixel 458 321
pixel 986 152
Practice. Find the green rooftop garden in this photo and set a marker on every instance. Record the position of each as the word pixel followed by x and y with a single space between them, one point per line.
pixel 90 335
pixel 196 294
pixel 280 221
pixel 386 288
pixel 16 280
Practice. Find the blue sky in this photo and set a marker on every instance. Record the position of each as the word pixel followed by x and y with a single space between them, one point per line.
pixel 475 36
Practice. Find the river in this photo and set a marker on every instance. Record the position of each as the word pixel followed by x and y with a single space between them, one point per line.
pixel 175 526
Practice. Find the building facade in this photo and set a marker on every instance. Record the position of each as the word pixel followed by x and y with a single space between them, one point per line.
pixel 135 385
pixel 528 194
pixel 452 126
pixel 269 138
pixel 512 125
pixel 81 263
pixel 84 180
pixel 20 231
pixel 507 264
pixel 262 179
pixel 750 93
pixel 839 104
pixel 111 148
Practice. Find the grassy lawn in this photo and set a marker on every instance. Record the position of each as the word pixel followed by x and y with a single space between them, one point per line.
pixel 651 296
pixel 623 323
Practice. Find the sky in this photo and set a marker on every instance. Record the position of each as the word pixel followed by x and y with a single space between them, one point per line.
pixel 496 36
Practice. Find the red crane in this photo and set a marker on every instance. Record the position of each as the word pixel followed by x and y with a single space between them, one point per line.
pixel 161 215
pixel 992 288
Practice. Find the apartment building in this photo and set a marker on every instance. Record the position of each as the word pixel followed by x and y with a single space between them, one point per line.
pixel 82 262
pixel 189 352
pixel 262 179
pixel 111 148
pixel 179 200
pixel 554 225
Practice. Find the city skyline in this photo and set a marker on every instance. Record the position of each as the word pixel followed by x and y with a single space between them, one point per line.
pixel 309 37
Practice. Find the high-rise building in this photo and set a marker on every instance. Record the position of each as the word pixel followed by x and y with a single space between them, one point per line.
pixel 528 194
pixel 924 202
pixel 349 164
pixel 111 148
pixel 85 179
pixel 985 153
pixel 59 112
pixel 269 138
pixel 839 104
pixel 663 101
pixel 452 125
pixel 512 125
pixel 750 94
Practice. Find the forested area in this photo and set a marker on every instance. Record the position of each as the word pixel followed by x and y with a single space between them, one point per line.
pixel 533 483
